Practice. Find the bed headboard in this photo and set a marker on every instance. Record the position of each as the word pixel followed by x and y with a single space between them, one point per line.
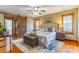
pixel 52 26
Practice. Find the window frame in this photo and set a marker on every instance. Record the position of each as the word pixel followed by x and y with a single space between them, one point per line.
pixel 70 14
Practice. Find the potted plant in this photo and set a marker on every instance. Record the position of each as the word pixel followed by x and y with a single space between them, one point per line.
pixel 1 30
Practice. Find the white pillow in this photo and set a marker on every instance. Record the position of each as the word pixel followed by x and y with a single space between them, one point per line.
pixel 53 29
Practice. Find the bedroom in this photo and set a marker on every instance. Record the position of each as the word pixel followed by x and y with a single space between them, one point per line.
pixel 51 21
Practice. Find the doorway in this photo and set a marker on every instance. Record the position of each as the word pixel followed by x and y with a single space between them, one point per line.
pixel 9 26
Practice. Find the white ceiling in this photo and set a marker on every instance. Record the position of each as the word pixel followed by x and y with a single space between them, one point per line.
pixel 21 9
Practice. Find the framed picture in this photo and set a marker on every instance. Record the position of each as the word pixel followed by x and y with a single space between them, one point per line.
pixel 48 19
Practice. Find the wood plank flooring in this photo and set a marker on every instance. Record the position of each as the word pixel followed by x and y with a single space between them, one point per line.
pixel 70 46
pixel 14 50
pixel 3 49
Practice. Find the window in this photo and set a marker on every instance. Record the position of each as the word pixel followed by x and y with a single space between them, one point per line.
pixel 37 24
pixel 68 25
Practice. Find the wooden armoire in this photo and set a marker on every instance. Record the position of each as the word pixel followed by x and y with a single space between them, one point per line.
pixel 20 24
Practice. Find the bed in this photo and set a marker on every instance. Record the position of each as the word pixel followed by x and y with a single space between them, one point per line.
pixel 46 38
pixel 47 34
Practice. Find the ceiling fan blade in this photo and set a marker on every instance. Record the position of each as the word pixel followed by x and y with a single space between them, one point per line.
pixel 28 10
pixel 43 10
pixel 40 14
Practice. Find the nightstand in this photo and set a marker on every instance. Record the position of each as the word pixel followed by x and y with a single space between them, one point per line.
pixel 60 36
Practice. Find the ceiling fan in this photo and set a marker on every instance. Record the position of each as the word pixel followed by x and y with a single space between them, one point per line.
pixel 35 10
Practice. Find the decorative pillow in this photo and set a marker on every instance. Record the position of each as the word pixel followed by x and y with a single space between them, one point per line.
pixel 45 30
pixel 53 29
pixel 50 30
pixel 33 34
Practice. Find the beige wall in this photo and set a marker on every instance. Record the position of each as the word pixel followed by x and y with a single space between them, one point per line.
pixel 30 24
pixel 57 18
pixel 78 23
pixel 2 19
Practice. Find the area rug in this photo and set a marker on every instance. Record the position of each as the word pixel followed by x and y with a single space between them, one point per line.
pixel 62 47
pixel 37 49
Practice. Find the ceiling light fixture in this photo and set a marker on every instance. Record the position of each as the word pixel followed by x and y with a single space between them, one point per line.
pixel 36 11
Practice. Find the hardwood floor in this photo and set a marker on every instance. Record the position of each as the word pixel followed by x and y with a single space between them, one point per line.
pixel 14 50
pixel 2 50
pixel 68 46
